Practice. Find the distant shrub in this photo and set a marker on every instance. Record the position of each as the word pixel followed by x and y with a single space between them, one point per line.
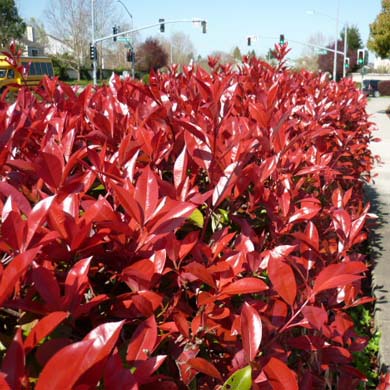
pixel 384 88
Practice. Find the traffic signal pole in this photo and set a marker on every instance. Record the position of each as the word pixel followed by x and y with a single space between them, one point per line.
pixel 119 34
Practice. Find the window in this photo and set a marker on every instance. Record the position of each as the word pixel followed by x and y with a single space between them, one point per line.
pixel 11 74
pixel 3 72
pixel 33 71
pixel 34 52
pixel 50 71
pixel 44 68
pixel 38 69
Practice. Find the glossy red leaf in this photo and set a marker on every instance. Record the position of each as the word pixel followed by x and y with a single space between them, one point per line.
pixel 316 316
pixel 118 377
pixel 338 275
pixel 43 328
pixel 14 271
pixel 146 193
pixel 283 279
pixel 47 286
pixel 205 367
pixel 280 376
pixel 201 272
pixel 14 362
pixel 342 223
pixel 49 167
pixel 305 213
pixel 146 368
pixel 251 331
pixel 76 283
pixel 143 341
pixel 7 190
pixel 36 216
pixel 225 183
pixel 244 286
pixel 79 357
pixel 180 168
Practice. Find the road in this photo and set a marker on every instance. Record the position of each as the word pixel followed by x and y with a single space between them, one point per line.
pixel 379 194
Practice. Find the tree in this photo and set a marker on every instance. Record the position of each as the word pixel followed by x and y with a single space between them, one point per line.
pixel 379 38
pixel 180 48
pixel 12 25
pixel 236 53
pixel 151 55
pixel 354 40
pixel 71 20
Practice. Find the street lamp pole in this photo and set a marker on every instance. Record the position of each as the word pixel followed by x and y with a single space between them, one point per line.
pixel 132 27
pixel 94 63
pixel 345 48
pixel 335 42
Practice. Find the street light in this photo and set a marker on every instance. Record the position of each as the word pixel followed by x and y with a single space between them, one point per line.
pixel 337 19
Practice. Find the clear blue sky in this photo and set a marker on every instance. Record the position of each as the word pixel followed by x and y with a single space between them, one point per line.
pixel 231 21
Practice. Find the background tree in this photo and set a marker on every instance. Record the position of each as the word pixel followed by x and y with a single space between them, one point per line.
pixel 236 53
pixel 379 39
pixel 71 20
pixel 181 48
pixel 325 61
pixel 150 55
pixel 354 40
pixel 12 25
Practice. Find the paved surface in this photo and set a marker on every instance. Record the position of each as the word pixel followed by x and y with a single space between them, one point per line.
pixel 379 194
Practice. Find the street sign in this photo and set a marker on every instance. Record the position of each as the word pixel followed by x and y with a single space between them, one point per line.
pixel 123 39
pixel 322 51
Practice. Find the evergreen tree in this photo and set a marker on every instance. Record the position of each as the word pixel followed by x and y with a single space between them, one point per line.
pixel 12 25
pixel 354 40
pixel 379 39
pixel 237 53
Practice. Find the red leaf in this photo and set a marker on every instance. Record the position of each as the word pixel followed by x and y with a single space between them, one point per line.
pixel 43 328
pixel 35 218
pixel 225 183
pixel 17 197
pixel 14 271
pixel 338 275
pixel 76 283
pixel 201 272
pixel 305 213
pixel 342 223
pixel 268 167
pixel 49 167
pixel 14 362
pixel 146 368
pixel 180 168
pixel 280 376
pixel 244 286
pixel 317 316
pixel 146 193
pixel 79 357
pixel 46 284
pixel 251 331
pixel 116 376
pixel 143 341
pixel 283 279
pixel 205 367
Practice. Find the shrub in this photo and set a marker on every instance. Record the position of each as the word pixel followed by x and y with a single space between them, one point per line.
pixel 174 234
pixel 384 87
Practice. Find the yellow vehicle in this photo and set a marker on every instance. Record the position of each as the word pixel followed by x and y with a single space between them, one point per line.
pixel 39 67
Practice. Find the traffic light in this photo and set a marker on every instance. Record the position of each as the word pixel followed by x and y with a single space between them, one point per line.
pixel 162 25
pixel 281 39
pixel 249 41
pixel 130 56
pixel 114 31
pixel 204 26
pixel 360 57
pixel 346 63
pixel 92 52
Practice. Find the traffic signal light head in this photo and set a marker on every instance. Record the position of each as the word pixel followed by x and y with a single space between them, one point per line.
pixel 162 25
pixel 114 31
pixel 360 57
pixel 204 26
pixel 346 63
pixel 92 52
pixel 249 41
pixel 281 39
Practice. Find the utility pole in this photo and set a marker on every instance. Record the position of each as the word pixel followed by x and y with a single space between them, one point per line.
pixel 345 48
pixel 335 42
pixel 94 62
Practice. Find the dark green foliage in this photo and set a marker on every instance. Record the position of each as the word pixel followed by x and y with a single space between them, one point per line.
pixel 12 25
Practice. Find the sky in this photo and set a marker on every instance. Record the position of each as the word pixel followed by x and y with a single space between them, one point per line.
pixel 230 22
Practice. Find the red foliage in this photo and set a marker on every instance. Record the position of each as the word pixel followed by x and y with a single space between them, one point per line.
pixel 184 229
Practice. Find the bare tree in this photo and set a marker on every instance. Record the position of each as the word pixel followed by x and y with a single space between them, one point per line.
pixel 180 48
pixel 70 21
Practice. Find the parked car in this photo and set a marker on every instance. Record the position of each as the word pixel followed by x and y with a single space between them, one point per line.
pixel 370 88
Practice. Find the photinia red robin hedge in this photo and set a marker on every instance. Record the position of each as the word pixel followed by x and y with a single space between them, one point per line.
pixel 201 232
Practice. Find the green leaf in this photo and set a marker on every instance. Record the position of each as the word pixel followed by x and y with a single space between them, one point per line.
pixel 240 380
pixel 196 218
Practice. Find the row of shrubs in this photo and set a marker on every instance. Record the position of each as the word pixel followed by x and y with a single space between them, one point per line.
pixel 204 231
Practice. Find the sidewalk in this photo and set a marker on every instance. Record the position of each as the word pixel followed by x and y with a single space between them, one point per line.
pixel 379 194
